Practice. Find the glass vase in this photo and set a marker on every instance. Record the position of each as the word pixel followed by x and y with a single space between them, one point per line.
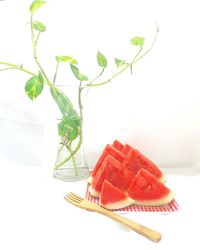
pixel 71 168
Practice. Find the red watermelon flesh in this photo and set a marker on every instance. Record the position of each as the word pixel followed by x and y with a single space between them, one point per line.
pixel 108 150
pixel 112 197
pixel 136 161
pixel 126 149
pixel 146 189
pixel 112 171
pixel 118 145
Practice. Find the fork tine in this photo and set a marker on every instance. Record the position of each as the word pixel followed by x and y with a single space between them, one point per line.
pixel 72 197
pixel 68 198
pixel 77 197
pixel 72 201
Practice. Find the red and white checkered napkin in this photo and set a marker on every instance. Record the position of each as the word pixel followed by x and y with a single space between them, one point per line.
pixel 170 207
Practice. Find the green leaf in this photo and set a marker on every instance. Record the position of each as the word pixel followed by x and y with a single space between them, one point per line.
pixel 36 4
pixel 83 77
pixel 80 76
pixel 39 26
pixel 73 119
pixel 68 59
pixel 119 62
pixel 34 86
pixel 73 134
pixel 69 127
pixel 137 41
pixel 63 129
pixel 101 59
pixel 75 71
pixel 63 102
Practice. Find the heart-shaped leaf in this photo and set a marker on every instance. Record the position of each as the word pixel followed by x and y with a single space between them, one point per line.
pixel 137 41
pixel 68 59
pixel 101 59
pixel 69 127
pixel 39 26
pixel 34 86
pixel 80 76
pixel 36 4
pixel 119 62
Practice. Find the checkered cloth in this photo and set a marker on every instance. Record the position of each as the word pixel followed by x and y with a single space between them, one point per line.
pixel 170 207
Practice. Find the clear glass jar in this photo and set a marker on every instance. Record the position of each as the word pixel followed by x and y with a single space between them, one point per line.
pixel 71 167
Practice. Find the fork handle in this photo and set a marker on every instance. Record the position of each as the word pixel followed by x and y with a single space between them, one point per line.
pixel 143 230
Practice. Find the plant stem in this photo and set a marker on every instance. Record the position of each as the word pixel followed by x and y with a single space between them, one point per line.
pixel 92 84
pixel 34 42
pixel 115 74
pixel 56 72
pixel 134 60
pixel 73 152
pixel 15 66
pixel 150 48
pixel 80 105
pixel 128 65
pixel 95 78
pixel 73 160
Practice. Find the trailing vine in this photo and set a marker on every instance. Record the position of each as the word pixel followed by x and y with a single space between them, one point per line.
pixel 70 126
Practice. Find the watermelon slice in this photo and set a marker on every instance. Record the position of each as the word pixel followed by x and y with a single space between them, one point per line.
pixel 108 150
pixel 111 170
pixel 126 149
pixel 146 189
pixel 124 176
pixel 113 198
pixel 136 161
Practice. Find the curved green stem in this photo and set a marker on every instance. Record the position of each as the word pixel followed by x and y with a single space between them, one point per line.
pixel 73 160
pixel 150 48
pixel 34 42
pixel 15 66
pixel 55 74
pixel 129 65
pixel 94 79
pixel 51 85
pixel 37 38
pixel 116 73
pixel 72 153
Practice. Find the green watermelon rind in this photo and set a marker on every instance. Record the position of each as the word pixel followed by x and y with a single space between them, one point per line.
pixel 129 201
pixel 158 202
pixel 163 179
pixel 93 192
pixel 119 204
pixel 90 179
pixel 142 190
pixel 113 197
pixel 110 170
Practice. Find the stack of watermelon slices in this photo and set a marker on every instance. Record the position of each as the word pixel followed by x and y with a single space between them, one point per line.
pixel 124 176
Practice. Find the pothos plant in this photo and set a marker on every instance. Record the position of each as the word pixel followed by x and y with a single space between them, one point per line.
pixel 71 123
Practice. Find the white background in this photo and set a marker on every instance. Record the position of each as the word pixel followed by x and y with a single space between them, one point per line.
pixel 156 109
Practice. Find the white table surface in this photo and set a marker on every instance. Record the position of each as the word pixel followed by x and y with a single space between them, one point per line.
pixel 34 215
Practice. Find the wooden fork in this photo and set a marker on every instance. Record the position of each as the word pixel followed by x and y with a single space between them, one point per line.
pixel 86 204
